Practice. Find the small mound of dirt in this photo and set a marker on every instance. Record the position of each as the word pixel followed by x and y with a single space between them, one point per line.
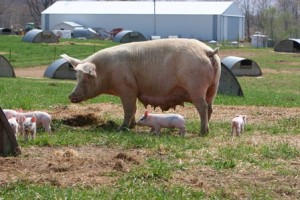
pixel 81 120
pixel 127 158
pixel 120 165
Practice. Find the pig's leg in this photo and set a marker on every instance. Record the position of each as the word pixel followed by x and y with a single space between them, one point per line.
pixel 129 107
pixel 232 129
pixel 242 128
pixel 33 134
pixel 182 131
pixel 202 109
pixel 152 130
pixel 25 136
pixel 210 95
pixel 47 128
pixel 238 130
pixel 46 125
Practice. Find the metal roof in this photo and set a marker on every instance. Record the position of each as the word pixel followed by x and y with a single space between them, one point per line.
pixel 73 24
pixel 141 7
pixel 30 35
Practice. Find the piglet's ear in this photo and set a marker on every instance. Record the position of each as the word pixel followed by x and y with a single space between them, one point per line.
pixel 146 113
pixel 87 68
pixel 21 118
pixel 8 116
pixel 33 119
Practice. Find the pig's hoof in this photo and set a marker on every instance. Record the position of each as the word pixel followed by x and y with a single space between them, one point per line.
pixel 124 129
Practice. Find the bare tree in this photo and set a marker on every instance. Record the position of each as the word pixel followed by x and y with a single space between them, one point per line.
pixel 262 16
pixel 288 17
pixel 247 6
pixel 5 14
pixel 37 6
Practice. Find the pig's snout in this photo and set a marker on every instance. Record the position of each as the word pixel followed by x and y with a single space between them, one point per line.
pixel 73 99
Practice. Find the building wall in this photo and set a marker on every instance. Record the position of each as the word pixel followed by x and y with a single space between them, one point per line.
pixel 202 27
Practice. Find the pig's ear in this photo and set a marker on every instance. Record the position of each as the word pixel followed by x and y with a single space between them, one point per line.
pixel 21 118
pixel 146 114
pixel 73 61
pixel 33 119
pixel 87 68
pixel 8 116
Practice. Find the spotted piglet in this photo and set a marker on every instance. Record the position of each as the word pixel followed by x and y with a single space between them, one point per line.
pixel 158 121
pixel 238 124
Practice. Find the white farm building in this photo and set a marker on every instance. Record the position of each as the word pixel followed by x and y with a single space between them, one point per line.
pixel 219 21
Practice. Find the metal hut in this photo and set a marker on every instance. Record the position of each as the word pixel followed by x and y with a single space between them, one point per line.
pixel 241 66
pixel 289 45
pixel 6 69
pixel 6 31
pixel 228 84
pixel 60 69
pixel 128 36
pixel 39 36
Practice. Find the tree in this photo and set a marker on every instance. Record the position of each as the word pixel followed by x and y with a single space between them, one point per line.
pixel 37 6
pixel 248 9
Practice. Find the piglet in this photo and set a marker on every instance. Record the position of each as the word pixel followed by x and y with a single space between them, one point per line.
pixel 238 124
pixel 158 121
pixel 29 125
pixel 10 112
pixel 42 119
pixel 13 124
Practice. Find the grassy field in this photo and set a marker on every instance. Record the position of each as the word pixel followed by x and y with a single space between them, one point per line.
pixel 96 161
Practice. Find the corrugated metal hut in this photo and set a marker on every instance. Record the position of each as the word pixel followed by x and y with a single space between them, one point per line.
pixel 6 31
pixel 241 66
pixel 6 69
pixel 289 45
pixel 60 69
pixel 39 36
pixel 8 143
pixel 128 36
pixel 228 84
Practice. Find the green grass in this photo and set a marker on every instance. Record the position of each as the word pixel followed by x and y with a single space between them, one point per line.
pixel 24 54
pixel 262 164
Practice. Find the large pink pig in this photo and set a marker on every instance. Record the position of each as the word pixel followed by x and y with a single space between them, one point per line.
pixel 158 121
pixel 163 73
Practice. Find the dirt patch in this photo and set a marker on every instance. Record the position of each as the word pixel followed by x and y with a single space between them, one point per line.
pixel 102 112
pixel 88 166
pixel 81 120
pixel 31 72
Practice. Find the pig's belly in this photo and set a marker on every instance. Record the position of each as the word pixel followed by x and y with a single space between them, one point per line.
pixel 165 101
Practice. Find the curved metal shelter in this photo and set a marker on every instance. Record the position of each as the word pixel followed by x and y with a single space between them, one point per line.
pixel 228 84
pixel 39 36
pixel 128 36
pixel 289 45
pixel 6 31
pixel 6 70
pixel 242 66
pixel 60 69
